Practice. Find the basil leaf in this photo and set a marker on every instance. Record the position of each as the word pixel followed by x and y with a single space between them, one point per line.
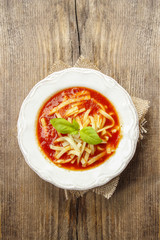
pixel 75 124
pixel 89 135
pixel 64 127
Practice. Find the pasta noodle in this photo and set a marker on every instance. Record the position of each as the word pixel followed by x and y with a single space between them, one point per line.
pixel 86 115
pixel 96 158
pixel 58 115
pixel 67 102
pixel 92 122
pixel 43 122
pixel 62 152
pixel 79 111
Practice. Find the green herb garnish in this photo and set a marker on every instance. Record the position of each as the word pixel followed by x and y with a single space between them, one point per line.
pixel 63 126
pixel 87 134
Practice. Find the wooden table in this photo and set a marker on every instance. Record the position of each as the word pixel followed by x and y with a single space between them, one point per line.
pixel 122 38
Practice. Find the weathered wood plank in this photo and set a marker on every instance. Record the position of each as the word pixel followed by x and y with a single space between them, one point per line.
pixel 122 38
pixel 33 37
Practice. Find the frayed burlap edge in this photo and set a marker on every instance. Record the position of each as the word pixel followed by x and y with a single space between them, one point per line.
pixel 142 107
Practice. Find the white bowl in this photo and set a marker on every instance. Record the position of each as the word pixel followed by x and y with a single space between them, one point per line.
pixel 68 179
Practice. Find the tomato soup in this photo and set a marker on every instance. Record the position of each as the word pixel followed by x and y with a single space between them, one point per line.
pixel 92 112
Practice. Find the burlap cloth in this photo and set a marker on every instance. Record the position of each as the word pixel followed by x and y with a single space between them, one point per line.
pixel 142 108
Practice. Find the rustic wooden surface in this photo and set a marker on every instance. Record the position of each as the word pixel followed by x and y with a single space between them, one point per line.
pixel 123 39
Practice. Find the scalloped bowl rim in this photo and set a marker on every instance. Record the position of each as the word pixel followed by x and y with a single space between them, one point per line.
pixel 86 179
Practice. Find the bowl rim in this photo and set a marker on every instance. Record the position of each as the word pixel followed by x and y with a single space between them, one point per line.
pixel 98 183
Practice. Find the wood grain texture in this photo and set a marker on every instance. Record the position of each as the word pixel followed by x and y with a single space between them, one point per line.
pixel 122 38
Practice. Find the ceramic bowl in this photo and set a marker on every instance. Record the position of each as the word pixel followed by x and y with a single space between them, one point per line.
pixel 68 179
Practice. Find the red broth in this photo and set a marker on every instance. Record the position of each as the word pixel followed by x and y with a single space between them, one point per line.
pixel 45 141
